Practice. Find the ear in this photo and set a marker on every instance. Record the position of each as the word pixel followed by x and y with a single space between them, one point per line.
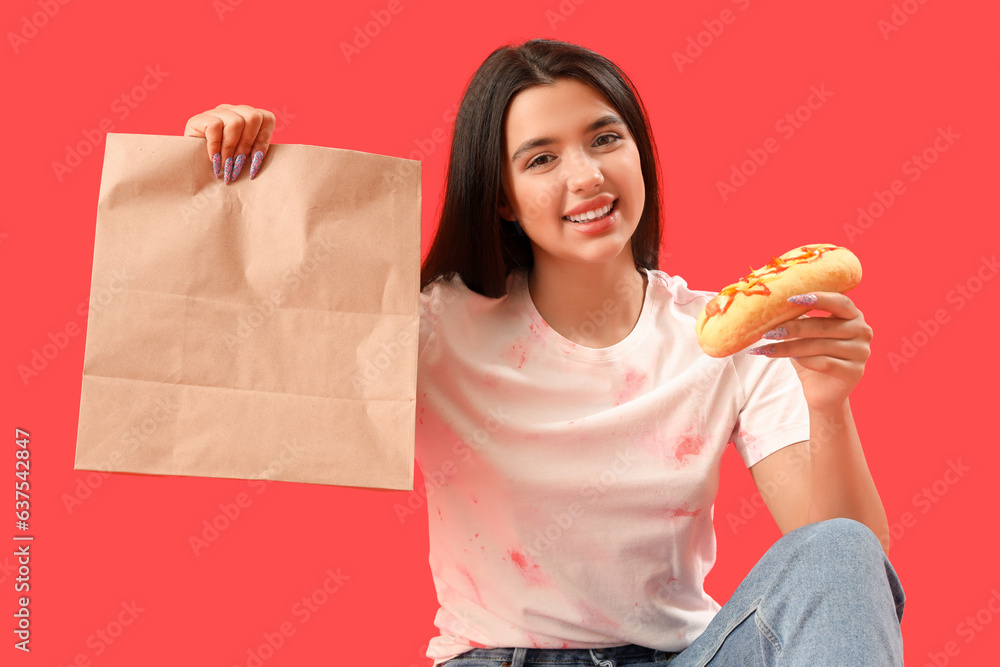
pixel 506 212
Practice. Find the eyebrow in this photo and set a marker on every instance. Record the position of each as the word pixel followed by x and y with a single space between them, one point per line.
pixel 603 121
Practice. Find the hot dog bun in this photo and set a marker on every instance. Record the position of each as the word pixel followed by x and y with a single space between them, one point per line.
pixel 743 312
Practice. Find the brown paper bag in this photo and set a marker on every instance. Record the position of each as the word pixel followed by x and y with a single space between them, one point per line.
pixel 264 329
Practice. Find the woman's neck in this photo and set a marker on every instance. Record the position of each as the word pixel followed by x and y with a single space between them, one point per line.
pixel 594 305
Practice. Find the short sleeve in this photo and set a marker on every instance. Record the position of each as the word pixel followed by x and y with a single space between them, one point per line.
pixel 774 412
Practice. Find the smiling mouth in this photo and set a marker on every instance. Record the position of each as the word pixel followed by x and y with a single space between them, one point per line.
pixel 596 214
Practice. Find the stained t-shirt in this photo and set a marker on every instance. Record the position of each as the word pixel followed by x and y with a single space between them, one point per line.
pixel 570 489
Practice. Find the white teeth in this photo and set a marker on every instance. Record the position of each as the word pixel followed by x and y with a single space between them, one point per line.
pixel 590 215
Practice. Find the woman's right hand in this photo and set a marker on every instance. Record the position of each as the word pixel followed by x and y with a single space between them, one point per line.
pixel 233 132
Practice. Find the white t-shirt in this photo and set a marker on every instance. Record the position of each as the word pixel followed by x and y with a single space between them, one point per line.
pixel 570 489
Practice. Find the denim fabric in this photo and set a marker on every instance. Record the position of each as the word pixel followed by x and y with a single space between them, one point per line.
pixel 822 595
pixel 630 656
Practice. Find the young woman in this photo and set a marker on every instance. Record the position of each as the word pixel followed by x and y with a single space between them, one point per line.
pixel 577 426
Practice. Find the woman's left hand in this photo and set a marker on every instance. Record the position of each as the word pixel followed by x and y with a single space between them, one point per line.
pixel 828 353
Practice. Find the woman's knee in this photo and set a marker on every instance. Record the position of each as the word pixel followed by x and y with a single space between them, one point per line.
pixel 847 550
pixel 844 548
pixel 835 535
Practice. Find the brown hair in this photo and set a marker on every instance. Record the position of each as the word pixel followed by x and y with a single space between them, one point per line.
pixel 471 240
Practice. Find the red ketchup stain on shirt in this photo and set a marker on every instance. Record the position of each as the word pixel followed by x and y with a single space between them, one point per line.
pixel 538 643
pixel 632 385
pixel 518 352
pixel 753 445
pixel 687 445
pixel 475 587
pixel 682 511
pixel 532 574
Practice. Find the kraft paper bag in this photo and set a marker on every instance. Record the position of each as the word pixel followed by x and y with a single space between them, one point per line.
pixel 264 329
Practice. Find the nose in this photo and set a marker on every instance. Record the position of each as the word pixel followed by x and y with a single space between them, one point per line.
pixel 583 173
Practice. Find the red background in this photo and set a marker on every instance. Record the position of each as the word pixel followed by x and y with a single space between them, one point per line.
pixel 890 92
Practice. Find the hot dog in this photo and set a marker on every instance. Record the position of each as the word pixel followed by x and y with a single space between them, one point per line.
pixel 743 312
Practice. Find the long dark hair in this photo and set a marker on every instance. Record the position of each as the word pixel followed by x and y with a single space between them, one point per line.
pixel 471 239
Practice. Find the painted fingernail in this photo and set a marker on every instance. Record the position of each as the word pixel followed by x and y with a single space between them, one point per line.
pixel 255 163
pixel 217 164
pixel 766 350
pixel 781 333
pixel 803 299
pixel 240 161
pixel 229 169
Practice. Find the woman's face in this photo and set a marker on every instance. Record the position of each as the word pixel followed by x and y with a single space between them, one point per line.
pixel 569 157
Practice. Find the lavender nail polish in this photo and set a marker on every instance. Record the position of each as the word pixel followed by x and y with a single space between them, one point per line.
pixel 240 161
pixel 255 163
pixel 803 299
pixel 780 333
pixel 217 164
pixel 229 169
pixel 766 350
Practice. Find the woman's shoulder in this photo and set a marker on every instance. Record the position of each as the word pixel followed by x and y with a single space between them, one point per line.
pixel 680 307
pixel 450 294
pixel 453 312
pixel 675 290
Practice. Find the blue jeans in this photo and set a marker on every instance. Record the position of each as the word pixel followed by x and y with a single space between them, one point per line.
pixel 824 594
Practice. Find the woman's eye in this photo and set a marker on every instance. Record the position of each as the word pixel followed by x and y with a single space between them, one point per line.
pixel 539 161
pixel 601 141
